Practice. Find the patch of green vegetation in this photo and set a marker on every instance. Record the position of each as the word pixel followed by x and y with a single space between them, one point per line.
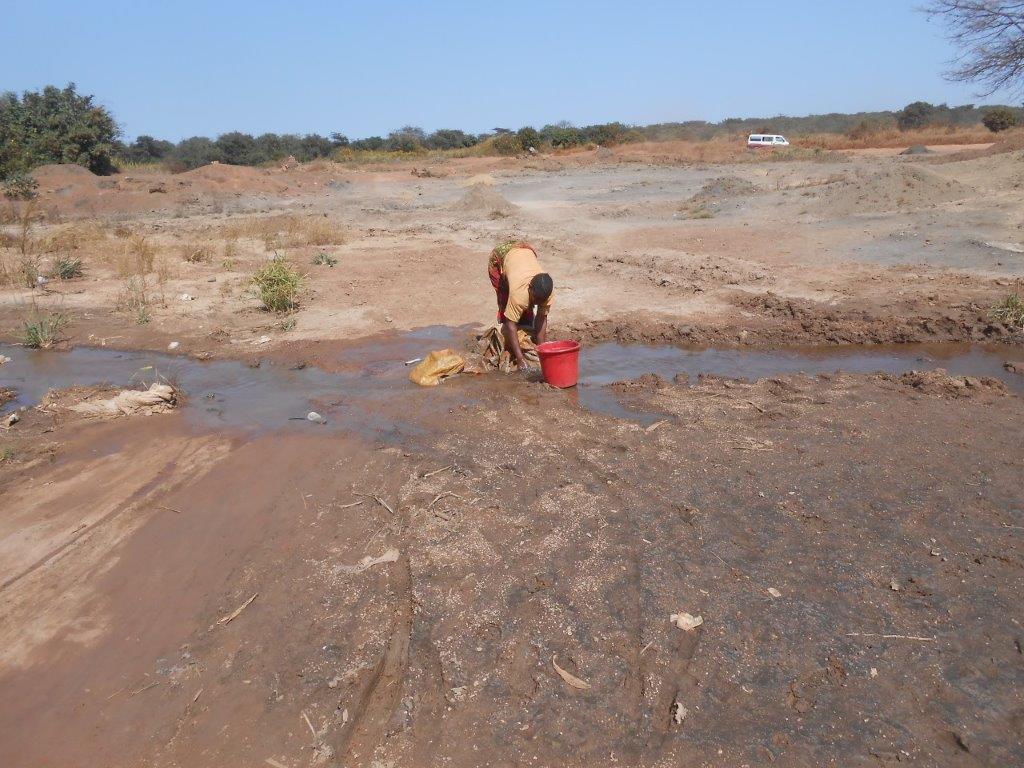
pixel 277 284
pixel 67 267
pixel 324 259
pixel 20 186
pixel 42 331
pixel 696 212
pixel 7 454
pixel 1009 311
pixel 134 299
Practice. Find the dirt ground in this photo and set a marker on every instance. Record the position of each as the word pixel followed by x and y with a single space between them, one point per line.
pixel 483 574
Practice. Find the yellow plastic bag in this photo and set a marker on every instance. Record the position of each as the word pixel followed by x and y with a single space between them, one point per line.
pixel 436 367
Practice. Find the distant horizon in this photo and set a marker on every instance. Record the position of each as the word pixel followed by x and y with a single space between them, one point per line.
pixel 204 70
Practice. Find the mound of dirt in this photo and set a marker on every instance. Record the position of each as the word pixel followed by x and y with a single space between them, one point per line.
pixel 649 382
pixel 896 189
pixel 939 382
pixel 917 149
pixel 725 187
pixel 63 177
pixel 220 173
pixel 480 198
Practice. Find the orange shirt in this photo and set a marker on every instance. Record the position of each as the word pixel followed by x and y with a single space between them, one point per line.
pixel 519 267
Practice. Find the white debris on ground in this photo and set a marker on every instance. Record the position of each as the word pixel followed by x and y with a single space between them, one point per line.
pixel 686 621
pixel 159 398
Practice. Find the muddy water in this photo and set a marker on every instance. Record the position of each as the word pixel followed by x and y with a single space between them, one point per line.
pixel 602 364
pixel 370 393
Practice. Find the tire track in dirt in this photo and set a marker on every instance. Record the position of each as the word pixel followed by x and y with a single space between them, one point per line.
pixel 381 694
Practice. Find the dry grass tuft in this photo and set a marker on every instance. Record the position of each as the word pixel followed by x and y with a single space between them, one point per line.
pixel 287 230
pixel 277 284
pixel 73 237
pixel 134 299
pixel 195 254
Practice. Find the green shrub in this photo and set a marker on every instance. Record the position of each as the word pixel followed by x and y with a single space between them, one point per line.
pixel 506 144
pixel 916 115
pixel 1009 311
pixel 55 126
pixel 277 284
pixel 529 137
pixel 999 119
pixel 20 186
pixel 324 259
pixel 67 267
pixel 42 331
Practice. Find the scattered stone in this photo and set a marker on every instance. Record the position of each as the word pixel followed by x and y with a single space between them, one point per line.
pixel 174 345
pixel 158 188
pixel 1009 365
pixel 686 621
pixel 774 592
pixel 679 713
pixel 4 360
pixel 315 417
pixel 894 585
pixel 187 297
pixel 13 419
pixel 262 340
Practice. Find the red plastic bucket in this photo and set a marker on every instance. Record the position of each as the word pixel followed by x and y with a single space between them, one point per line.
pixel 560 362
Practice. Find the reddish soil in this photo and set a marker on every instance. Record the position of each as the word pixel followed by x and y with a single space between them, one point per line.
pixel 395 588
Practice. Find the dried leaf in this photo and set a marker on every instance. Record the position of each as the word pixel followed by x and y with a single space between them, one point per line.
pixel 571 679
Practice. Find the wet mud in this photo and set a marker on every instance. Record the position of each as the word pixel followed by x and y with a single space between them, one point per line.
pixel 216 585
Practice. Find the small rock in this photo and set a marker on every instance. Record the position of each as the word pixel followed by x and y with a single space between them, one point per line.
pixel 874 672
pixel 262 340
pixel 186 297
pixel 315 417
pixel 774 592
pixel 13 419
pixel 894 585
pixel 174 345
pixel 211 279
pixel 1009 366
pixel 934 552
pixel 4 360
pixel 679 713
pixel 686 621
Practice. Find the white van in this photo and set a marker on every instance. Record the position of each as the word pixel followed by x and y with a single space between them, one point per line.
pixel 758 140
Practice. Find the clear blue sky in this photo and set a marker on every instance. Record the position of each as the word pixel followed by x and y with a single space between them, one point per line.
pixel 177 69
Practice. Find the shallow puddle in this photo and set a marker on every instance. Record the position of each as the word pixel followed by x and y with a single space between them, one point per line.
pixel 370 392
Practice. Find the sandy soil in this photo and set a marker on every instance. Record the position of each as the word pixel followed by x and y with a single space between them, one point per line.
pixel 179 590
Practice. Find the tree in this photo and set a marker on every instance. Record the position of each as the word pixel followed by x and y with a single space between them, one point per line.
pixel 55 126
pixel 989 36
pixel 450 138
pixel 194 152
pixel 915 115
pixel 529 137
pixel 407 139
pixel 238 148
pixel 999 119
pixel 146 149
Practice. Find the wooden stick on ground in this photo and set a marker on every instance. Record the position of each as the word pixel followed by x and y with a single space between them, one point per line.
pixel 436 471
pixel 234 614
pixel 893 637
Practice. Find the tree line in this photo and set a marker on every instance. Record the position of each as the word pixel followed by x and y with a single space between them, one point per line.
pixel 60 125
